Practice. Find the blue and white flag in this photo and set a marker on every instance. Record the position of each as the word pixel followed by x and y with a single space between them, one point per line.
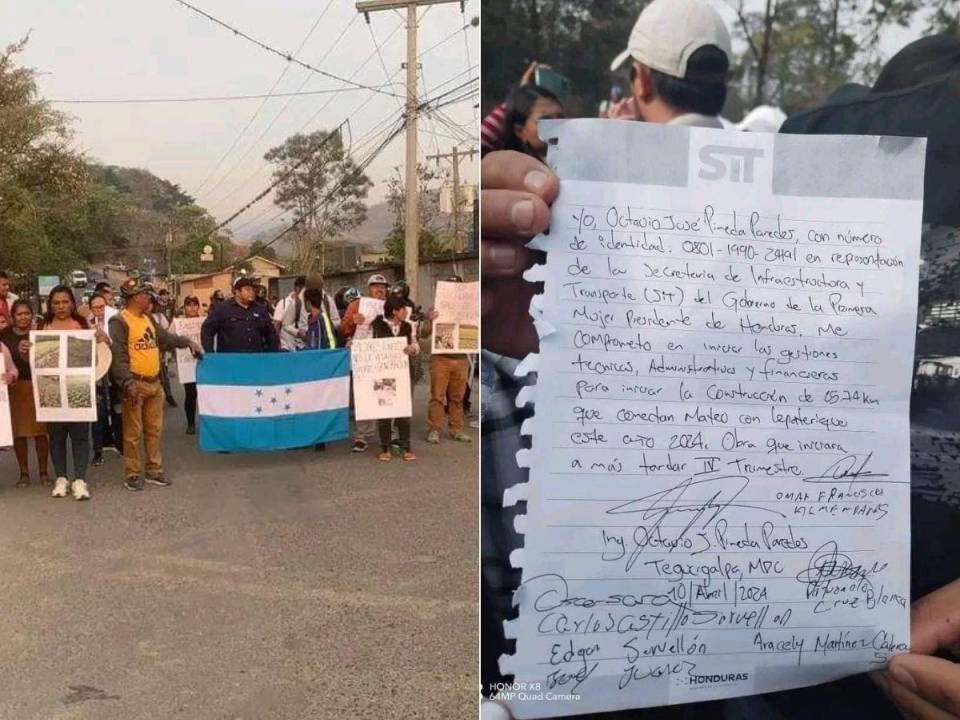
pixel 250 401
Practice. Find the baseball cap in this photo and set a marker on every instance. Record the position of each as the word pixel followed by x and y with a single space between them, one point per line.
pixel 377 280
pixel 133 286
pixel 668 32
pixel 244 282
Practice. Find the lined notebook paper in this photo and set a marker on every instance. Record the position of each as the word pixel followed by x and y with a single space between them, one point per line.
pixel 718 502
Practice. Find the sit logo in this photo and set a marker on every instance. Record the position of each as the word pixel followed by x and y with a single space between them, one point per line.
pixel 721 161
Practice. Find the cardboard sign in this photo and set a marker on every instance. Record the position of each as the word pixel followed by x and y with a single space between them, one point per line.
pixel 381 378
pixel 456 328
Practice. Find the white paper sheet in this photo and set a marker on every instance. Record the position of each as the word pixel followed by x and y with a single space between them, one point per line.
pixel 370 308
pixel 6 421
pixel 381 378
pixel 718 501
pixel 186 362
pixel 455 329
pixel 63 365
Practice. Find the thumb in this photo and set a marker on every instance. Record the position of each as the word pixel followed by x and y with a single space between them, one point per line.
pixel 492 710
pixel 935 620
pixel 933 679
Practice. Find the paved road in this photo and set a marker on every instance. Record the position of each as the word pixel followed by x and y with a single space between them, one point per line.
pixel 285 585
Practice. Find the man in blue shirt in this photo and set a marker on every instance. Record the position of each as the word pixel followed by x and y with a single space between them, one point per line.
pixel 240 324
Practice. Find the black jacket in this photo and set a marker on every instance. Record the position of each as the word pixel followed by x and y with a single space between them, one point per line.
pixel 239 330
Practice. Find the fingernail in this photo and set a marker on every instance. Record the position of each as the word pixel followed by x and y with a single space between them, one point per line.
pixel 504 256
pixel 903 677
pixel 535 181
pixel 521 214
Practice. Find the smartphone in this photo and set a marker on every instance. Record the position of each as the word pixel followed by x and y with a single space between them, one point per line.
pixel 553 82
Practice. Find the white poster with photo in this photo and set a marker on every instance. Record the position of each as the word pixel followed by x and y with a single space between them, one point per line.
pixel 371 309
pixel 186 362
pixel 63 363
pixel 381 378
pixel 456 327
pixel 6 422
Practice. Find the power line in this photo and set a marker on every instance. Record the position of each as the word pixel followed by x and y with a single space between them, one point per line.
pixel 215 98
pixel 359 169
pixel 376 128
pixel 313 117
pixel 396 130
pixel 365 140
pixel 256 112
pixel 283 109
pixel 286 56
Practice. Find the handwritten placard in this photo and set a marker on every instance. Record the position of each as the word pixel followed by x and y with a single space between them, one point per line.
pixel 719 494
pixel 381 378
pixel 186 362
pixel 456 327
pixel 63 364
pixel 6 421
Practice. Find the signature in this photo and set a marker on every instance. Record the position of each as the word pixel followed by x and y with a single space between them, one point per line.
pixel 660 505
pixel 849 467
pixel 828 564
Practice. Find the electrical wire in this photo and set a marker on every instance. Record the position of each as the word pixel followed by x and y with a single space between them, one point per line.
pixel 215 98
pixel 313 117
pixel 276 83
pixel 286 56
pixel 323 107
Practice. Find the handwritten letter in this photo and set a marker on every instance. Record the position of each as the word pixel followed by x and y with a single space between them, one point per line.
pixel 719 484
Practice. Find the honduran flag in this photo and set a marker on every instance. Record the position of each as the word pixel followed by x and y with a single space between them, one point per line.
pixel 275 401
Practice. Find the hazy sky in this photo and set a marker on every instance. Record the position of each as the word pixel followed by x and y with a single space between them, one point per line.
pixel 107 49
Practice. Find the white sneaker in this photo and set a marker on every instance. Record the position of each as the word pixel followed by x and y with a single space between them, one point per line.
pixel 80 491
pixel 60 487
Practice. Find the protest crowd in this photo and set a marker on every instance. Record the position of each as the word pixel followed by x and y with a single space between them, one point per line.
pixel 138 333
pixel 675 71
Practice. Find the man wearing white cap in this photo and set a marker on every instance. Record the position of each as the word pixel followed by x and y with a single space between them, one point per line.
pixel 352 318
pixel 679 59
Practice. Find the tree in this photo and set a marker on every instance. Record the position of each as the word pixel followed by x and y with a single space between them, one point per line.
pixel 259 247
pixel 799 51
pixel 43 184
pixel 431 242
pixel 323 186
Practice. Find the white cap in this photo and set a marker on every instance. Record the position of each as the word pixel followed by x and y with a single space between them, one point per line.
pixel 763 118
pixel 668 32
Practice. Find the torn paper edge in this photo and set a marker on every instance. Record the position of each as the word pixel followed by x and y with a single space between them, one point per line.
pixel 527 396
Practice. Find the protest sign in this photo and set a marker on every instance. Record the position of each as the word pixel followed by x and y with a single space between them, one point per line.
pixel 371 309
pixel 46 283
pixel 720 446
pixel 6 421
pixel 381 378
pixel 186 362
pixel 63 364
pixel 455 329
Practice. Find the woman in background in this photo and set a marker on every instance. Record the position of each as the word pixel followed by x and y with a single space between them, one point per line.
pixel 191 309
pixel 23 413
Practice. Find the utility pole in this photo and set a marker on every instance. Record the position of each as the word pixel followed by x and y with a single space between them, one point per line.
pixel 455 156
pixel 168 252
pixel 411 254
